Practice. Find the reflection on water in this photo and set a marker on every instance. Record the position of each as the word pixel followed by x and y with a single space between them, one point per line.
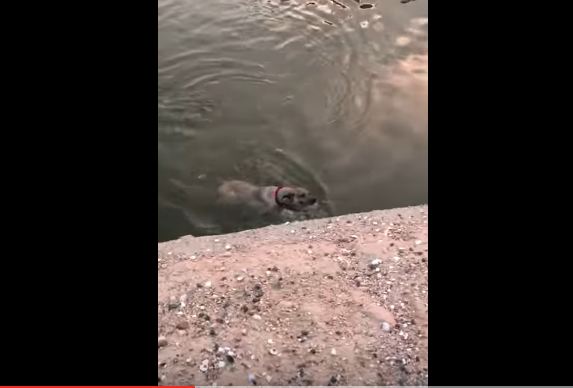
pixel 330 95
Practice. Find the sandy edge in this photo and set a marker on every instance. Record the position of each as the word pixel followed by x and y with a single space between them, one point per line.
pixel 348 242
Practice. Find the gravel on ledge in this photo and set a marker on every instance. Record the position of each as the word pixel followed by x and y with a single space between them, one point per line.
pixel 336 301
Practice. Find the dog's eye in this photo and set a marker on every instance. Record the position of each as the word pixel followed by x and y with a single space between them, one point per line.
pixel 303 195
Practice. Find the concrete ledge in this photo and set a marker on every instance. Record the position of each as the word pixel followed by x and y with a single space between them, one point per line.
pixel 339 301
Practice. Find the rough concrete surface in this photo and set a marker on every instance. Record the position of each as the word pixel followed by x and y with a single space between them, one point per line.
pixel 339 301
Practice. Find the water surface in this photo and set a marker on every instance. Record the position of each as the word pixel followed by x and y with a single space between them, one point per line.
pixel 331 95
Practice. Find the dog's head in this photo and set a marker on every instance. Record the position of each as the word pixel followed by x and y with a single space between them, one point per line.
pixel 294 198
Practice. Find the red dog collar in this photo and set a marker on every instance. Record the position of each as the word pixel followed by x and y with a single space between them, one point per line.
pixel 276 196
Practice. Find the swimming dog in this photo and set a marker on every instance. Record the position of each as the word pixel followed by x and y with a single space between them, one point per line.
pixel 266 199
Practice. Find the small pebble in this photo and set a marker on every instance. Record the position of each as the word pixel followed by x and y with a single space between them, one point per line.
pixel 228 247
pixel 333 352
pixel 374 264
pixel 386 326
pixel 257 317
pixel 252 379
pixel 221 364
pixel 183 325
pixel 162 341
pixel 208 284
pixel 204 366
pixel 273 351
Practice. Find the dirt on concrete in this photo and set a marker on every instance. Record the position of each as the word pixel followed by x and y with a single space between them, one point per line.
pixel 339 301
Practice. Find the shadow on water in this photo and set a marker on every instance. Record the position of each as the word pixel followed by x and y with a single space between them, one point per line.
pixel 327 95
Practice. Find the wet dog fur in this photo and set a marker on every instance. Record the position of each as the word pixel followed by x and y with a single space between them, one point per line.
pixel 266 199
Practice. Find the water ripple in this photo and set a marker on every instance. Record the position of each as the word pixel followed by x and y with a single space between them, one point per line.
pixel 338 85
